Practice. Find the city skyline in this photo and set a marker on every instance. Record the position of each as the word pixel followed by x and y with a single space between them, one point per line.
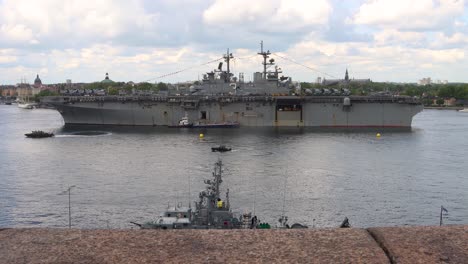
pixel 396 41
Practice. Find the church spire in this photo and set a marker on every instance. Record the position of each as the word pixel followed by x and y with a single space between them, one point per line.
pixel 346 77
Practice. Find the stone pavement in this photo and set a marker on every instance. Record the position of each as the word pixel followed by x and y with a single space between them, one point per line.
pixel 351 245
pixel 424 244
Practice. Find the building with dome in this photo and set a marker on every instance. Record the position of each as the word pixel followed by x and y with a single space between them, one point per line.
pixel 107 80
pixel 37 82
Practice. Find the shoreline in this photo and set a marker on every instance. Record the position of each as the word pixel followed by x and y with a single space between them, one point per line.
pixel 456 108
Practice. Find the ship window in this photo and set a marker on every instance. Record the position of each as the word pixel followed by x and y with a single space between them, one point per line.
pixel 248 108
pixel 168 215
pixel 203 114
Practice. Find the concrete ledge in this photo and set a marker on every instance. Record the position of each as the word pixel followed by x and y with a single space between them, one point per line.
pixel 448 244
pixel 189 246
pixel 424 244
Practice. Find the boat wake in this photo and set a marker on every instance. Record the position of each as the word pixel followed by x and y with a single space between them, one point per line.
pixel 86 134
pixel 268 153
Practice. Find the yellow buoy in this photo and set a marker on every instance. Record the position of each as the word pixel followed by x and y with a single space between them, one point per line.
pixel 201 135
pixel 378 135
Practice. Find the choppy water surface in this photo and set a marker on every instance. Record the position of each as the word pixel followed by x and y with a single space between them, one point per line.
pixel 131 174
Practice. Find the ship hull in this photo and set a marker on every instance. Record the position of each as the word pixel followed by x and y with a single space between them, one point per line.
pixel 330 112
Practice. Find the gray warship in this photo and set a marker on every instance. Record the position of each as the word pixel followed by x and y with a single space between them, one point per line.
pixel 221 99
pixel 210 212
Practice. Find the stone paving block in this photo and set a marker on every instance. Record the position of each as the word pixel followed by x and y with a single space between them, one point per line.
pixel 189 246
pixel 424 244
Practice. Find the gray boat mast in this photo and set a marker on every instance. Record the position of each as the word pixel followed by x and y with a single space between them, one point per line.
pixel 271 75
pixel 265 57
pixel 217 177
pixel 207 203
pixel 227 59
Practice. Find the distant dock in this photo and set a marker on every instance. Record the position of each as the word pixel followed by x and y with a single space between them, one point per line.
pixel 445 107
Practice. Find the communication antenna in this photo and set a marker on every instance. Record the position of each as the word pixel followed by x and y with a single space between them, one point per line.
pixel 284 196
pixel 189 203
pixel 68 190
pixel 255 194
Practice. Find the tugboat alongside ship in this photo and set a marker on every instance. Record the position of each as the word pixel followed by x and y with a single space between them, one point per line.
pixel 224 100
pixel 184 122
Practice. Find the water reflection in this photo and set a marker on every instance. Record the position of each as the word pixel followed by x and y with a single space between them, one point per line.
pixel 130 173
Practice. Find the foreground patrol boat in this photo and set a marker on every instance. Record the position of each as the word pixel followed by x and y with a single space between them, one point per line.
pixel 210 212
pixel 270 100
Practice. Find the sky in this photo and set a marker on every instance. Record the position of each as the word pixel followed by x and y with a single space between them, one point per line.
pixel 148 40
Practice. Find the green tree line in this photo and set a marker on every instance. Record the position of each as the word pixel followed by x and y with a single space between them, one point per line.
pixel 458 91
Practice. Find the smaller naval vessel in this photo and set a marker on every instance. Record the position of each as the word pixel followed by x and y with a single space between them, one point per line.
pixel 220 148
pixel 210 212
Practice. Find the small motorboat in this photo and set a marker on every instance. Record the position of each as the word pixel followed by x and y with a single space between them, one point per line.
pixel 39 134
pixel 464 110
pixel 184 122
pixel 221 148
pixel 26 105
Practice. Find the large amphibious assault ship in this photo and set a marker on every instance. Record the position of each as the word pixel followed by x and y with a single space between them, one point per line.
pixel 221 99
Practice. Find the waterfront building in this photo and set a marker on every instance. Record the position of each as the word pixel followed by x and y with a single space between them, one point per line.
pixel 425 81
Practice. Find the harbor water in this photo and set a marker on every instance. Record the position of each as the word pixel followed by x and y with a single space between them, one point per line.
pixel 124 174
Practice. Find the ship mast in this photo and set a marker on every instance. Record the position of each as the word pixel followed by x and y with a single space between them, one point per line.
pixel 265 57
pixel 217 177
pixel 227 57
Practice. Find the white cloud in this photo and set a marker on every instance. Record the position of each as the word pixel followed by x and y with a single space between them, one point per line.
pixel 412 15
pixel 138 64
pixel 392 36
pixel 268 15
pixel 142 39
pixel 7 56
pixel 17 33
pixel 397 54
pixel 56 21
pixel 373 61
pixel 456 39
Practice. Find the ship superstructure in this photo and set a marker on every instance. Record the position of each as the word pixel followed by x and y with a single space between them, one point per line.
pixel 210 211
pixel 270 100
